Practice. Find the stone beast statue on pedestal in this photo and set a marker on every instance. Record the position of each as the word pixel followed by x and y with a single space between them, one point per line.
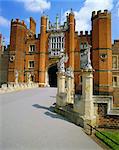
pixel 85 58
pixel 60 64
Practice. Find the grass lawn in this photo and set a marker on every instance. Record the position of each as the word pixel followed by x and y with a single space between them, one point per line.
pixel 114 135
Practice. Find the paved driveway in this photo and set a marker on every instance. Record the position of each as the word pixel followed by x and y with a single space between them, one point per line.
pixel 28 123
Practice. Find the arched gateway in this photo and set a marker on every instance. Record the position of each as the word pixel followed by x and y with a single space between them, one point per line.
pixel 52 75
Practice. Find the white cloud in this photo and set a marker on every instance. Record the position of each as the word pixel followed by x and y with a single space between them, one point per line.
pixel 4 22
pixel 36 5
pixel 117 4
pixel 83 16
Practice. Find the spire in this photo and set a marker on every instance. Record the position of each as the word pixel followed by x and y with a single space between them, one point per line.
pixel 72 11
pixel 43 14
pixel 57 21
pixel 48 22
pixel 61 12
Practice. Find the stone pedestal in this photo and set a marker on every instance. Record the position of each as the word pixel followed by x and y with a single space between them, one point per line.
pixel 70 90
pixel 41 84
pixel 61 91
pixel 16 80
pixel 85 106
pixel 46 80
pixel 10 87
pixel 61 82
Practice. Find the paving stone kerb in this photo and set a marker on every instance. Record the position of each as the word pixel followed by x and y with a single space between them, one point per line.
pixel 28 123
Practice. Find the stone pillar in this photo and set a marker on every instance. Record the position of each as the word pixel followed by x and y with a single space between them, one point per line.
pixel 73 89
pixel 61 91
pixel 70 89
pixel 47 79
pixel 16 76
pixel 85 106
pixel 28 78
pixel 16 80
pixel 70 85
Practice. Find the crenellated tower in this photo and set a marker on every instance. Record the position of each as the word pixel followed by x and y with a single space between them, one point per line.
pixel 17 50
pixel 102 52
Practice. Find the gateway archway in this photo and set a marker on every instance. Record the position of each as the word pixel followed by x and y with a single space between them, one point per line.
pixel 52 75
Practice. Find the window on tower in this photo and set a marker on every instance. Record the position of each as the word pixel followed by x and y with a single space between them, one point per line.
pixel 31 64
pixel 115 81
pixel 81 46
pixel 115 61
pixel 31 48
pixel 85 45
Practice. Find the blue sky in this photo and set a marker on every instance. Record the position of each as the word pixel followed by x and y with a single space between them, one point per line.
pixel 23 9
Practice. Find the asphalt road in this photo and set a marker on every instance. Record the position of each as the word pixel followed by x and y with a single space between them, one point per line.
pixel 27 122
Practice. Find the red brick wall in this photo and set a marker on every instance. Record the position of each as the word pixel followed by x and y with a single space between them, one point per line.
pixel 105 120
pixel 115 72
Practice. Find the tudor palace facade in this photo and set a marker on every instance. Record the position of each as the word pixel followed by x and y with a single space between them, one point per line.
pixel 38 55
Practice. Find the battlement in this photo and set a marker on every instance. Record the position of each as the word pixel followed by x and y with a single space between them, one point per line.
pixel 17 21
pixel 84 33
pixel 116 41
pixel 100 13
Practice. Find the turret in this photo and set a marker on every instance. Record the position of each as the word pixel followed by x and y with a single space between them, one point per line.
pixel 102 52
pixel 43 33
pixel 17 47
pixel 32 25
pixel 43 24
pixel 71 38
pixel 42 56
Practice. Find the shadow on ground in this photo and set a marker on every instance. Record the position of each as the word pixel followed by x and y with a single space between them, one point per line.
pixel 50 111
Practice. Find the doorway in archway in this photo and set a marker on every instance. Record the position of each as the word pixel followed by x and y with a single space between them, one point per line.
pixel 52 75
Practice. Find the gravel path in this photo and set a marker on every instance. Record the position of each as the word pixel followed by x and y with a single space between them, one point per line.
pixel 28 123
